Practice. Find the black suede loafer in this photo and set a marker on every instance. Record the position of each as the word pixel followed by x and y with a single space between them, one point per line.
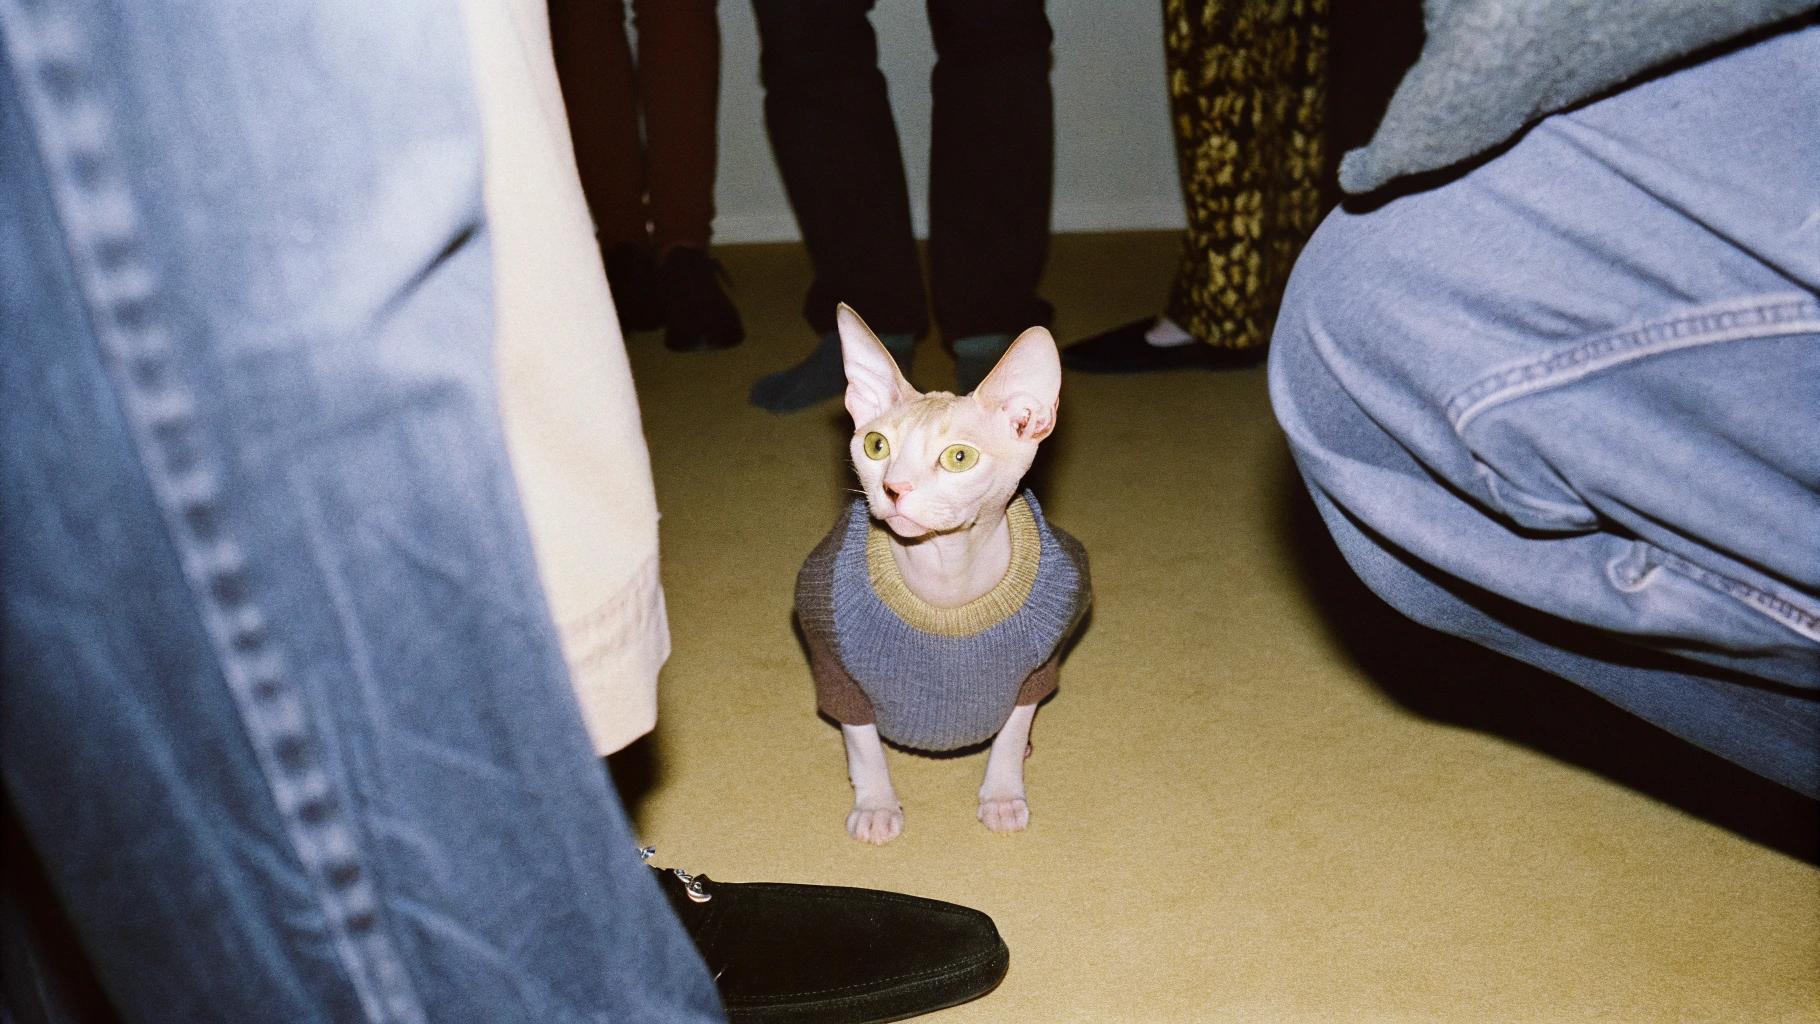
pixel 1124 350
pixel 819 954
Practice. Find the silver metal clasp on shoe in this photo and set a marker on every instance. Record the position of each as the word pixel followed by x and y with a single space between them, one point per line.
pixel 691 885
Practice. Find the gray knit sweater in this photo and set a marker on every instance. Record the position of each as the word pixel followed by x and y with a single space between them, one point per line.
pixel 1490 67
pixel 935 678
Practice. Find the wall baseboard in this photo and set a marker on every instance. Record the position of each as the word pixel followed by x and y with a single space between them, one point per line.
pixel 777 226
pixel 1148 214
pixel 1141 215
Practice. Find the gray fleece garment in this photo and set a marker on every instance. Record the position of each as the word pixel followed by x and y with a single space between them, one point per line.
pixel 1490 67
pixel 929 690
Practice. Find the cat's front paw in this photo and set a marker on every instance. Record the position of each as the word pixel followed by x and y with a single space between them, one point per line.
pixel 1004 813
pixel 875 824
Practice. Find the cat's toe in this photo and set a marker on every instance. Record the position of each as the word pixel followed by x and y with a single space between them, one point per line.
pixel 1008 814
pixel 875 825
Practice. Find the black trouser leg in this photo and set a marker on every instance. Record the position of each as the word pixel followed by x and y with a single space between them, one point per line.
pixel 991 165
pixel 829 118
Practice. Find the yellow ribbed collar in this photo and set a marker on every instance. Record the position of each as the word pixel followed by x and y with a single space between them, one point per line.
pixel 981 613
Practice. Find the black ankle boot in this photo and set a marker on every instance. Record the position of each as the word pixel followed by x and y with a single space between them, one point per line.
pixel 818 954
pixel 632 276
pixel 698 316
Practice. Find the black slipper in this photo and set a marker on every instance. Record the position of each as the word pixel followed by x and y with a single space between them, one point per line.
pixel 1124 350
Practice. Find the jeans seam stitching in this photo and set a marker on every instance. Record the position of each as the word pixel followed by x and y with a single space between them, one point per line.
pixel 1762 317
pixel 1775 607
pixel 118 281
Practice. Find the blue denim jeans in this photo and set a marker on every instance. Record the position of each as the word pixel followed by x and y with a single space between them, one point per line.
pixel 1566 404
pixel 285 718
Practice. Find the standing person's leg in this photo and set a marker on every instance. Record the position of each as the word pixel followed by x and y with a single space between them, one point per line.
pixel 679 87
pixel 600 89
pixel 991 176
pixel 1247 91
pixel 285 718
pixel 829 118
pixel 1565 403
pixel 1251 159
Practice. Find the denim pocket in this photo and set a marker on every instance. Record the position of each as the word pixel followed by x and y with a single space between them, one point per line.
pixel 1677 597
pixel 1666 421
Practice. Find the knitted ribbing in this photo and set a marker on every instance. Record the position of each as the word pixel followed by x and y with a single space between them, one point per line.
pixel 928 690
pixel 983 612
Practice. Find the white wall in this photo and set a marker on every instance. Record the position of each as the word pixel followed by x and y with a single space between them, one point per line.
pixel 1114 162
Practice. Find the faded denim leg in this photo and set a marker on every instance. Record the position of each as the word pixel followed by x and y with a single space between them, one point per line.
pixel 1567 403
pixel 284 716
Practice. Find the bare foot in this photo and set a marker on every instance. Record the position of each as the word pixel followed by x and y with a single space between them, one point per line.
pixel 875 824
pixel 1006 813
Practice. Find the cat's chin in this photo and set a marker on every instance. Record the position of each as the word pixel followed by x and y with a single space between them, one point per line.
pixel 906 527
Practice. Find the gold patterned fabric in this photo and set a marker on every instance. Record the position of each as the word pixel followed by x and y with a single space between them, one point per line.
pixel 1247 92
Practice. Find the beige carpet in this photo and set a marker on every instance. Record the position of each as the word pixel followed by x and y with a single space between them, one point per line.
pixel 1259 796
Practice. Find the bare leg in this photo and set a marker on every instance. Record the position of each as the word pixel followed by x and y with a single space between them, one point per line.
pixel 1002 804
pixel 877 817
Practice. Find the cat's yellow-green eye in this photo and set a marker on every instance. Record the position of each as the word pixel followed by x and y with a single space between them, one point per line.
pixel 875 446
pixel 959 458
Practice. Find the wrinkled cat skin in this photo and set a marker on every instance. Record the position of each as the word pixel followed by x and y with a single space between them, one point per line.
pixel 949 536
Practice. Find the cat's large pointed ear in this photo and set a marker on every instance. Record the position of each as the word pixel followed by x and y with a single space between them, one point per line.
pixel 874 383
pixel 1026 385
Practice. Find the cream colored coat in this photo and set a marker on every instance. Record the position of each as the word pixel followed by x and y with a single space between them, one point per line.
pixel 571 417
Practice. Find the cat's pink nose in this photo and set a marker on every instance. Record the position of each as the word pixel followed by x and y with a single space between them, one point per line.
pixel 896 489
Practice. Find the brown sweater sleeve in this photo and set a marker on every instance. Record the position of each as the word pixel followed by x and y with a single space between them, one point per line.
pixel 836 694
pixel 1041 683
